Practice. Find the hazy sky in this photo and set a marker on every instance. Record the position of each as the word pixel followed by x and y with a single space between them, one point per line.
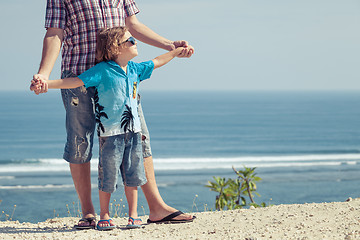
pixel 239 44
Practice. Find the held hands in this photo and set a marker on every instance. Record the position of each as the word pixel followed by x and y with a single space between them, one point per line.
pixel 180 52
pixel 39 84
pixel 187 50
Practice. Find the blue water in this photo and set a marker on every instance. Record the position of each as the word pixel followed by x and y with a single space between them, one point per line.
pixel 305 145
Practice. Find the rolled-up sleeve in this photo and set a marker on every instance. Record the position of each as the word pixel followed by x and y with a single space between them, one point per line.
pixel 130 8
pixel 55 16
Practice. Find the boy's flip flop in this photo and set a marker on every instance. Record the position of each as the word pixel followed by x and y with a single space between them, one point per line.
pixel 89 220
pixel 134 223
pixel 105 227
pixel 170 219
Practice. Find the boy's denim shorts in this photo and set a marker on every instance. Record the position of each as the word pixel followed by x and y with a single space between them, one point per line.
pixel 80 123
pixel 121 153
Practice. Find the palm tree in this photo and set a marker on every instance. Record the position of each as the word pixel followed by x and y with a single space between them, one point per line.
pixel 219 186
pixel 99 113
pixel 127 120
pixel 249 179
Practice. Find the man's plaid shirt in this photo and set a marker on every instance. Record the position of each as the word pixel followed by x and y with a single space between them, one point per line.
pixel 81 20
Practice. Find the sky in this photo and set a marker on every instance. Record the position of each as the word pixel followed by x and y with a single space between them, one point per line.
pixel 242 45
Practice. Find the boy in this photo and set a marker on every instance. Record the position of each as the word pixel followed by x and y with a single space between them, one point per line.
pixel 116 80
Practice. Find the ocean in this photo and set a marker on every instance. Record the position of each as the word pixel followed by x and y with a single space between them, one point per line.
pixel 305 147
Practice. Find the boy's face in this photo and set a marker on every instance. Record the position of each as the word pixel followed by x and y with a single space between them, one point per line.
pixel 128 46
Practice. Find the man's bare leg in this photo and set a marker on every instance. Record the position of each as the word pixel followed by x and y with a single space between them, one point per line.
pixel 81 176
pixel 158 208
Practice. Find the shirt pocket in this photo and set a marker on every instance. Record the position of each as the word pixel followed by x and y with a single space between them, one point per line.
pixel 116 3
pixel 83 13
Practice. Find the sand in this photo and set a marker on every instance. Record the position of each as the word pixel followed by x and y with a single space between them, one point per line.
pixel 338 220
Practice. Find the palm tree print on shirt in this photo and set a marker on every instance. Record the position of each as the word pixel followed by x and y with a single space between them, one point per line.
pixel 127 120
pixel 99 113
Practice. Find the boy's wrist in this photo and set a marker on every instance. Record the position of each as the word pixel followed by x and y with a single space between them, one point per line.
pixel 178 50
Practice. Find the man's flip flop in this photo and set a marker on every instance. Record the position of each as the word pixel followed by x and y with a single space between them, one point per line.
pixel 105 227
pixel 170 219
pixel 89 220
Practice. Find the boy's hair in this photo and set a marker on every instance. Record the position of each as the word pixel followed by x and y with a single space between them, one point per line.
pixel 108 42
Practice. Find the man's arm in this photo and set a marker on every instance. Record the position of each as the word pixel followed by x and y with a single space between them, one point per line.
pixel 141 32
pixel 51 48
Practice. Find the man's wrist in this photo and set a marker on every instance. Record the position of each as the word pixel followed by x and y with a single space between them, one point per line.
pixel 171 46
pixel 44 75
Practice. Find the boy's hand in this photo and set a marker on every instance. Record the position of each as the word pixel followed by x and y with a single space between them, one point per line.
pixel 39 84
pixel 179 52
pixel 185 52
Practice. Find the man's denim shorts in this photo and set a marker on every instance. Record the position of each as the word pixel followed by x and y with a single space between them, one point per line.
pixel 145 132
pixel 80 123
pixel 121 153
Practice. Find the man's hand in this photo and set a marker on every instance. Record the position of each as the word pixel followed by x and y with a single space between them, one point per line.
pixel 39 84
pixel 187 51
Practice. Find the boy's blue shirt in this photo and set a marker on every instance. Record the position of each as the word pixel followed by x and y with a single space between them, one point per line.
pixel 116 90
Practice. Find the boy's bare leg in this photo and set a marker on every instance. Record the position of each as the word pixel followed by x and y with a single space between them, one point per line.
pixel 81 176
pixel 158 208
pixel 132 199
pixel 104 198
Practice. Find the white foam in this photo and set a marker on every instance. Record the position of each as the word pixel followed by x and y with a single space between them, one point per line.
pixel 60 165
pixel 7 177
pixel 257 161
pixel 47 186
pixel 264 158
pixel 230 165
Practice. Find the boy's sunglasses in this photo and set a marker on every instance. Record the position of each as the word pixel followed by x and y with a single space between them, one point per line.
pixel 131 40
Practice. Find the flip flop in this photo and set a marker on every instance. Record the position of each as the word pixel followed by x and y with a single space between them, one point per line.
pixel 89 220
pixel 105 227
pixel 132 224
pixel 170 219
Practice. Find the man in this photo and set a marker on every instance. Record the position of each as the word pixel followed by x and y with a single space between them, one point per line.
pixel 74 24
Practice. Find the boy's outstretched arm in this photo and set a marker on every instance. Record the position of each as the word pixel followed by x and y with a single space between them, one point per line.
pixel 65 83
pixel 167 57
